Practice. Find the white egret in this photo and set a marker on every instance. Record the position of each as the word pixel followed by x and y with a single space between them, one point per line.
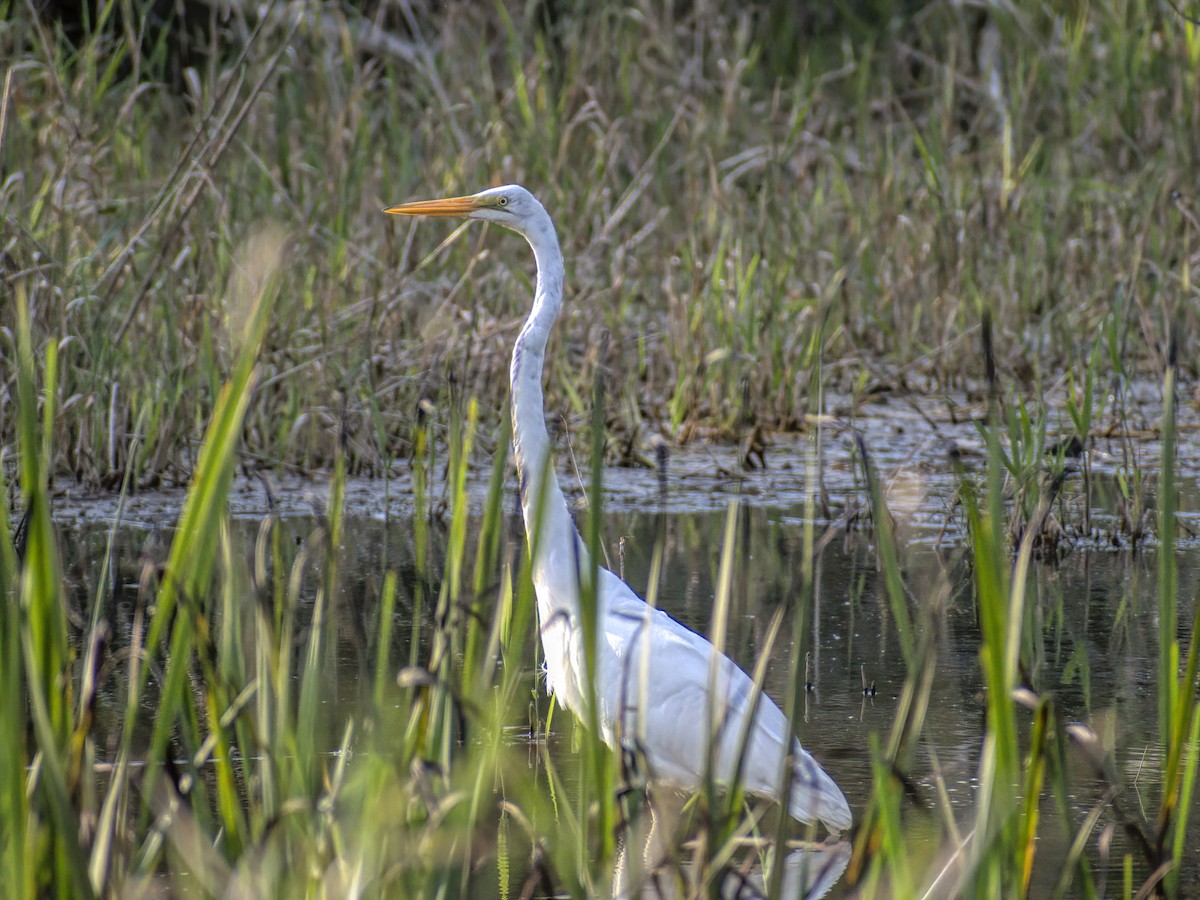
pixel 654 677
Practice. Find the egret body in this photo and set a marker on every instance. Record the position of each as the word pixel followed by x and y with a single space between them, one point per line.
pixel 657 683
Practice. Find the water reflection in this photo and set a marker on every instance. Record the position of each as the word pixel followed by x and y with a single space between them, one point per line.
pixel 648 864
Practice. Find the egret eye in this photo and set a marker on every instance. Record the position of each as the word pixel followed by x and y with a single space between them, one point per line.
pixel 503 201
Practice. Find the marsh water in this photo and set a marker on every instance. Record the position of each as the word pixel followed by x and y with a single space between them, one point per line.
pixel 1094 600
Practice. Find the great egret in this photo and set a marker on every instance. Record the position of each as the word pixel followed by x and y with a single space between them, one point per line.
pixel 655 679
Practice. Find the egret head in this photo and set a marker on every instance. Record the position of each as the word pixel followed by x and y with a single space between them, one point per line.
pixel 510 205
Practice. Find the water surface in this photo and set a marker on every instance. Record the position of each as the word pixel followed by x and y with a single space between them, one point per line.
pixel 1095 604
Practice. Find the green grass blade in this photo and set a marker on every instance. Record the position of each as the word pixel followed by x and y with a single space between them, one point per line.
pixel 193 552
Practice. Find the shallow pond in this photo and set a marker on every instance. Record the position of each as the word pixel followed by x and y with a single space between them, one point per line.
pixel 1095 604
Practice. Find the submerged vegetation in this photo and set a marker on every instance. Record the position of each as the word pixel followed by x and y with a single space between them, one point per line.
pixel 760 212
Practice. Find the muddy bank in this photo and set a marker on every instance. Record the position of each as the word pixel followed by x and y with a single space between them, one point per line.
pixel 920 446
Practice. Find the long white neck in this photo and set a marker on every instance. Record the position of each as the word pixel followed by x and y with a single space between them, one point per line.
pixel 548 524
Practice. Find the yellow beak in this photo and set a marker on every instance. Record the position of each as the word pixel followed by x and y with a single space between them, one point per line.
pixel 454 206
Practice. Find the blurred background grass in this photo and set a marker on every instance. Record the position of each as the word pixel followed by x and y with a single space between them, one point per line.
pixel 739 193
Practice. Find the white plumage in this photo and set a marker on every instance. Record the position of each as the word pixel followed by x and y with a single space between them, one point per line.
pixel 635 640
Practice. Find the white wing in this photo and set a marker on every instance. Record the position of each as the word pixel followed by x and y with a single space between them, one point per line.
pixel 653 690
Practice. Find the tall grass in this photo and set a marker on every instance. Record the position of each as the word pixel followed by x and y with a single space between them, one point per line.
pixel 238 781
pixel 772 229
pixel 882 186
pixel 1031 751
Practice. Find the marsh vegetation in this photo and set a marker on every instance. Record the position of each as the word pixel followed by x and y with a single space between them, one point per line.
pixel 929 264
